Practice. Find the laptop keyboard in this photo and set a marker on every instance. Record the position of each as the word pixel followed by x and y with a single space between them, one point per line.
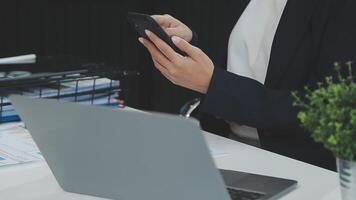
pixel 236 194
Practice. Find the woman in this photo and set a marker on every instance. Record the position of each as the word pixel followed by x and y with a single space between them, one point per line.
pixel 276 47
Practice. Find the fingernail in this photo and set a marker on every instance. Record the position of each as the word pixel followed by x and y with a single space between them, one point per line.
pixel 176 39
pixel 148 33
pixel 141 40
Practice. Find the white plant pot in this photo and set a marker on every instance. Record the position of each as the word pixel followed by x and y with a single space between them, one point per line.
pixel 347 173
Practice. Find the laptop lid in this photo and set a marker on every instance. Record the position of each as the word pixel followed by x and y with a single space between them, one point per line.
pixel 121 154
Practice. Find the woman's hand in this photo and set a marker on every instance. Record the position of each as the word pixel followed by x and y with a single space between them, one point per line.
pixel 174 27
pixel 193 71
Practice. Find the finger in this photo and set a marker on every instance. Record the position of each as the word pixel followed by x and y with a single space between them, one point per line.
pixel 162 20
pixel 155 53
pixel 163 47
pixel 171 31
pixel 170 78
pixel 183 45
pixel 164 71
pixel 160 67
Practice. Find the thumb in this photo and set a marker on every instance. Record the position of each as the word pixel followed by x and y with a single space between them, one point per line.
pixel 162 20
pixel 183 45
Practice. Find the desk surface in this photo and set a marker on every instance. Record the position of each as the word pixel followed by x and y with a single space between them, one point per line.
pixel 35 180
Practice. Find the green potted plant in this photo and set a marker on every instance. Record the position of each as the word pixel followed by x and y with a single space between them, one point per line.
pixel 328 112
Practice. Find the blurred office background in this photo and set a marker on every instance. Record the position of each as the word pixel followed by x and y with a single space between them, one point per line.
pixel 97 30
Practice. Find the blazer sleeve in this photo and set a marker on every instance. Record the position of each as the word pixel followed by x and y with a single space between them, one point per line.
pixel 247 102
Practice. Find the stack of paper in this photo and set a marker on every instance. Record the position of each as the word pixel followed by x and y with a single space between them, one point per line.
pixel 17 146
pixel 98 92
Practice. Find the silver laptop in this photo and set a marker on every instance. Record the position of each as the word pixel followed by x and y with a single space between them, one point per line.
pixel 128 155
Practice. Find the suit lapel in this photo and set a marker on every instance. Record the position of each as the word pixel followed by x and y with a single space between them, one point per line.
pixel 292 27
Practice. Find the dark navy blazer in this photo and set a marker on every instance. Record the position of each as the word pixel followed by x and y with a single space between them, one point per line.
pixel 311 36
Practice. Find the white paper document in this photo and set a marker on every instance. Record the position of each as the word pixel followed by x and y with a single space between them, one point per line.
pixel 16 145
pixel 24 59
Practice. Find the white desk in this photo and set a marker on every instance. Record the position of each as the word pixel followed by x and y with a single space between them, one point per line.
pixel 35 181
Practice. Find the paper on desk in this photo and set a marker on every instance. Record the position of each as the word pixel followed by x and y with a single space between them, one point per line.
pixel 25 59
pixel 16 145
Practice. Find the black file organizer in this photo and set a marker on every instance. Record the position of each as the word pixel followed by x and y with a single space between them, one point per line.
pixel 55 78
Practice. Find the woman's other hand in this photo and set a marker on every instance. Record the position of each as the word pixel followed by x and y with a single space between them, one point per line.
pixel 193 71
pixel 174 27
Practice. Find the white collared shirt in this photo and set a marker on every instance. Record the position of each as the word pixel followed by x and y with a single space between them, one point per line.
pixel 250 46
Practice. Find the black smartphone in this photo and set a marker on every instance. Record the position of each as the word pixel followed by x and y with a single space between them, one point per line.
pixel 142 22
